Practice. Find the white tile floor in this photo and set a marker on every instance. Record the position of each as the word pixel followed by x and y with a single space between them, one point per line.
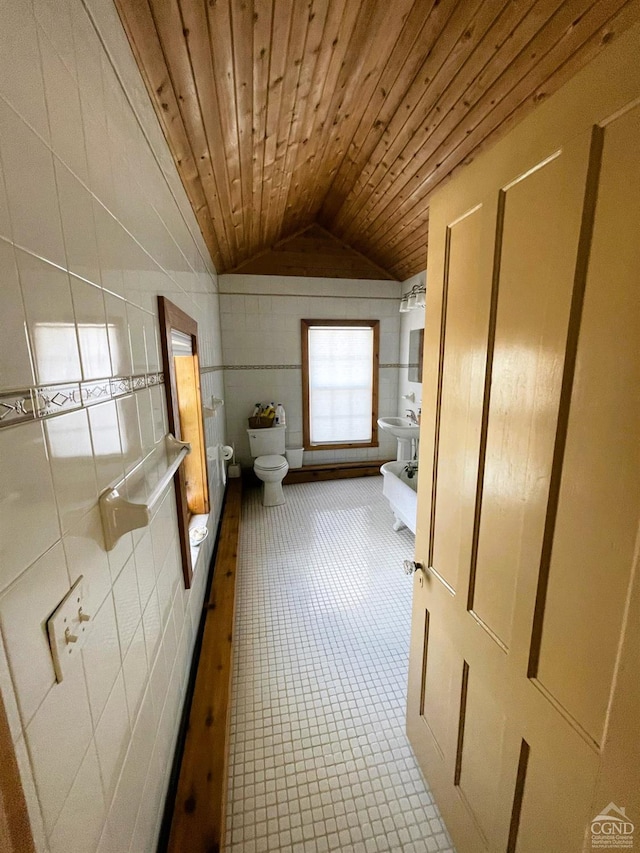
pixel 319 756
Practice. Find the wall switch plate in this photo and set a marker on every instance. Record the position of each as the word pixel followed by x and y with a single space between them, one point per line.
pixel 68 627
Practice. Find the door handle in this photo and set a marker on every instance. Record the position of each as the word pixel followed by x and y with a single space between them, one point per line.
pixel 411 566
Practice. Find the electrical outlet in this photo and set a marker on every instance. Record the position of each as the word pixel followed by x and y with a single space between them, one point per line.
pixel 68 627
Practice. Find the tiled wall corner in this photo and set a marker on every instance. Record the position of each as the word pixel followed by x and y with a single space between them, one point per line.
pixel 94 224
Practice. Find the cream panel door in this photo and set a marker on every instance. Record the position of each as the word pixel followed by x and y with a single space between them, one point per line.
pixel 500 351
pixel 523 701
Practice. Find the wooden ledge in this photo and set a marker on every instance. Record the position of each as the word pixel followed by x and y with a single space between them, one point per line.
pixel 197 824
pixel 334 471
pixel 324 471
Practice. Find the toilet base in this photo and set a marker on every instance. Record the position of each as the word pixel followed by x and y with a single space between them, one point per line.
pixel 272 494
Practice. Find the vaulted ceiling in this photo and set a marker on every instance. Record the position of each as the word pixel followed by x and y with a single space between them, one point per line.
pixel 347 113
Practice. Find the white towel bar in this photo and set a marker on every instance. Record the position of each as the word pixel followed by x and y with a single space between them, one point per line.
pixel 120 515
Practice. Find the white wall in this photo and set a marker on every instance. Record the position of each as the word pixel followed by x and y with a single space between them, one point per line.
pixel 261 346
pixel 94 223
pixel 409 320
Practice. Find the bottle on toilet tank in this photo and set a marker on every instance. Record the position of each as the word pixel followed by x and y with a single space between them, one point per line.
pixel 280 415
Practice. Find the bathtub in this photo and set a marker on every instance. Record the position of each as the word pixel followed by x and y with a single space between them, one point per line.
pixel 400 491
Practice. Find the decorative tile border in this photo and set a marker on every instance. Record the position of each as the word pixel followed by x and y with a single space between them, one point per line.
pixel 16 408
pixel 120 385
pixel 47 401
pixel 290 366
pixel 95 391
pixel 262 367
pixel 56 399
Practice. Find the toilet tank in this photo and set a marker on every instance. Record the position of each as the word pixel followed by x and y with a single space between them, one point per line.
pixel 267 442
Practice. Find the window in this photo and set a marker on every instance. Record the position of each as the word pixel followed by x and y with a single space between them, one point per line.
pixel 179 336
pixel 340 383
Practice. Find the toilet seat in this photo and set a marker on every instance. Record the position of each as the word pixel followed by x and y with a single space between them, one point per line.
pixel 270 463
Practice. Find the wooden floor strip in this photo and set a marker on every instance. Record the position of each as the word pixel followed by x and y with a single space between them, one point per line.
pixel 198 817
pixel 334 471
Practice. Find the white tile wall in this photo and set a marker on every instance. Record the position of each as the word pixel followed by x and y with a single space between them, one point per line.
pixel 94 223
pixel 16 369
pixel 260 319
pixel 21 608
pixel 28 515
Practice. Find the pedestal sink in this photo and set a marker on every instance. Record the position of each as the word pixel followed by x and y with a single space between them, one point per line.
pixel 407 434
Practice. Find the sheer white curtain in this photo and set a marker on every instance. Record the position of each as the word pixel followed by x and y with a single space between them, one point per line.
pixel 340 384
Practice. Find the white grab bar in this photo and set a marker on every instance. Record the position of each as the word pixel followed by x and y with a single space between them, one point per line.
pixel 120 515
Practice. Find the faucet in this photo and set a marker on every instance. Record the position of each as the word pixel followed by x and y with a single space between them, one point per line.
pixel 412 416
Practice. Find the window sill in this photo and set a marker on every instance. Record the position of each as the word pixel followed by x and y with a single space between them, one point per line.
pixel 354 445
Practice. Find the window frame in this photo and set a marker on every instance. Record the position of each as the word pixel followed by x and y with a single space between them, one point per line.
pixel 172 317
pixel 305 325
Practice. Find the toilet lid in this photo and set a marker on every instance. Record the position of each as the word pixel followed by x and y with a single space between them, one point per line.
pixel 270 463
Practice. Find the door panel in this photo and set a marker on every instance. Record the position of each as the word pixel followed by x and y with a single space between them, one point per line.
pixel 464 334
pixel 481 751
pixel 539 241
pixel 612 313
pixel 559 782
pixel 523 699
pixel 440 683
pixel 590 572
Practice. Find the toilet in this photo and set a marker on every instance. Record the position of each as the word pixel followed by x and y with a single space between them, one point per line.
pixel 270 466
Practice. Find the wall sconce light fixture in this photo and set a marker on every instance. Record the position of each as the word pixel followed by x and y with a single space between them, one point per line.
pixel 415 298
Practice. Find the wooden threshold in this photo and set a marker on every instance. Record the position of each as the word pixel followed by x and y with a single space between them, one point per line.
pixel 197 823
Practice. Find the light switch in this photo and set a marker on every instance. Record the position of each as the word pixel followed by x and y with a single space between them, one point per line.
pixel 68 628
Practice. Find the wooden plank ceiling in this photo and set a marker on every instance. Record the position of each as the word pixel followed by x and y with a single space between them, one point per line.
pixel 347 113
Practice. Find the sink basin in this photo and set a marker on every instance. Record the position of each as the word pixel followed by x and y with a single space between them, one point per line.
pixel 401 428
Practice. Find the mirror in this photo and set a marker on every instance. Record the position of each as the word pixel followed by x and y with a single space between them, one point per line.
pixel 416 346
